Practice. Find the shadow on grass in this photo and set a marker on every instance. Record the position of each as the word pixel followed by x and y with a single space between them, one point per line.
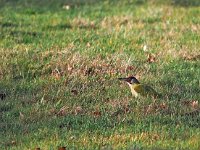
pixel 69 26
pixel 186 3
pixel 25 36
pixel 20 36
pixel 59 27
pixel 189 119
pixel 152 20
pixel 8 25
pixel 24 33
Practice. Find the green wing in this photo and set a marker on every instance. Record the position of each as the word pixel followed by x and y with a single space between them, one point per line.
pixel 146 90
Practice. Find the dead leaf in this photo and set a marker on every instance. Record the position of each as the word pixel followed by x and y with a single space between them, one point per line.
pixel 194 104
pixel 21 116
pixel 88 44
pixel 63 111
pixel 83 23
pixel 52 111
pixel 37 148
pixel 62 148
pixel 156 137
pixel 14 143
pixel 78 110
pixel 56 73
pixel 74 92
pixel 149 109
pixel 69 68
pixel 190 103
pixel 126 110
pixel 97 113
pixel 151 58
pixel 130 68
pixel 163 106
pixel 89 71
pixel 192 58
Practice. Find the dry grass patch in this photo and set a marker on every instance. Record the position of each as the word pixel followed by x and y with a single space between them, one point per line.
pixel 83 23
pixel 79 65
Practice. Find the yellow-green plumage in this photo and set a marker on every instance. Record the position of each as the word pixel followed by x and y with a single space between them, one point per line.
pixel 143 90
pixel 140 89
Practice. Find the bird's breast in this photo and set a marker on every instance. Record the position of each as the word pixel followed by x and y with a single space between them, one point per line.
pixel 133 91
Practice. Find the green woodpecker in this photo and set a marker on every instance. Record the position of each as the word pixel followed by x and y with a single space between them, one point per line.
pixel 138 89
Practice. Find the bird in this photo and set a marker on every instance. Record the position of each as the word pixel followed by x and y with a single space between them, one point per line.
pixel 138 89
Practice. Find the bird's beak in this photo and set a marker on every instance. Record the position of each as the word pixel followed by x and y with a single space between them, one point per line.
pixel 123 79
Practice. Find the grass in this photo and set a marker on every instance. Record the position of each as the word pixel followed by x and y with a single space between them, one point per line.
pixel 59 70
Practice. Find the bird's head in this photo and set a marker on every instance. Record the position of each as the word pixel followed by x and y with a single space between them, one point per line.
pixel 130 80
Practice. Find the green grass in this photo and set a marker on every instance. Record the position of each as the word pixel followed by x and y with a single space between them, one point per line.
pixel 59 70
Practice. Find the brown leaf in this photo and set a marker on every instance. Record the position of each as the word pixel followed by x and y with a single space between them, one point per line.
pixel 74 92
pixel 127 109
pixel 192 58
pixel 14 143
pixel 190 103
pixel 149 109
pixel 130 68
pixel 63 111
pixel 96 113
pixel 89 71
pixel 37 148
pixel 78 110
pixel 56 73
pixel 194 104
pixel 52 111
pixel 156 137
pixel 88 44
pixel 69 68
pixel 163 106
pixel 151 58
pixel 62 148
pixel 21 116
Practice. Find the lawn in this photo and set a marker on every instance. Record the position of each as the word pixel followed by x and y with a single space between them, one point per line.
pixel 59 64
